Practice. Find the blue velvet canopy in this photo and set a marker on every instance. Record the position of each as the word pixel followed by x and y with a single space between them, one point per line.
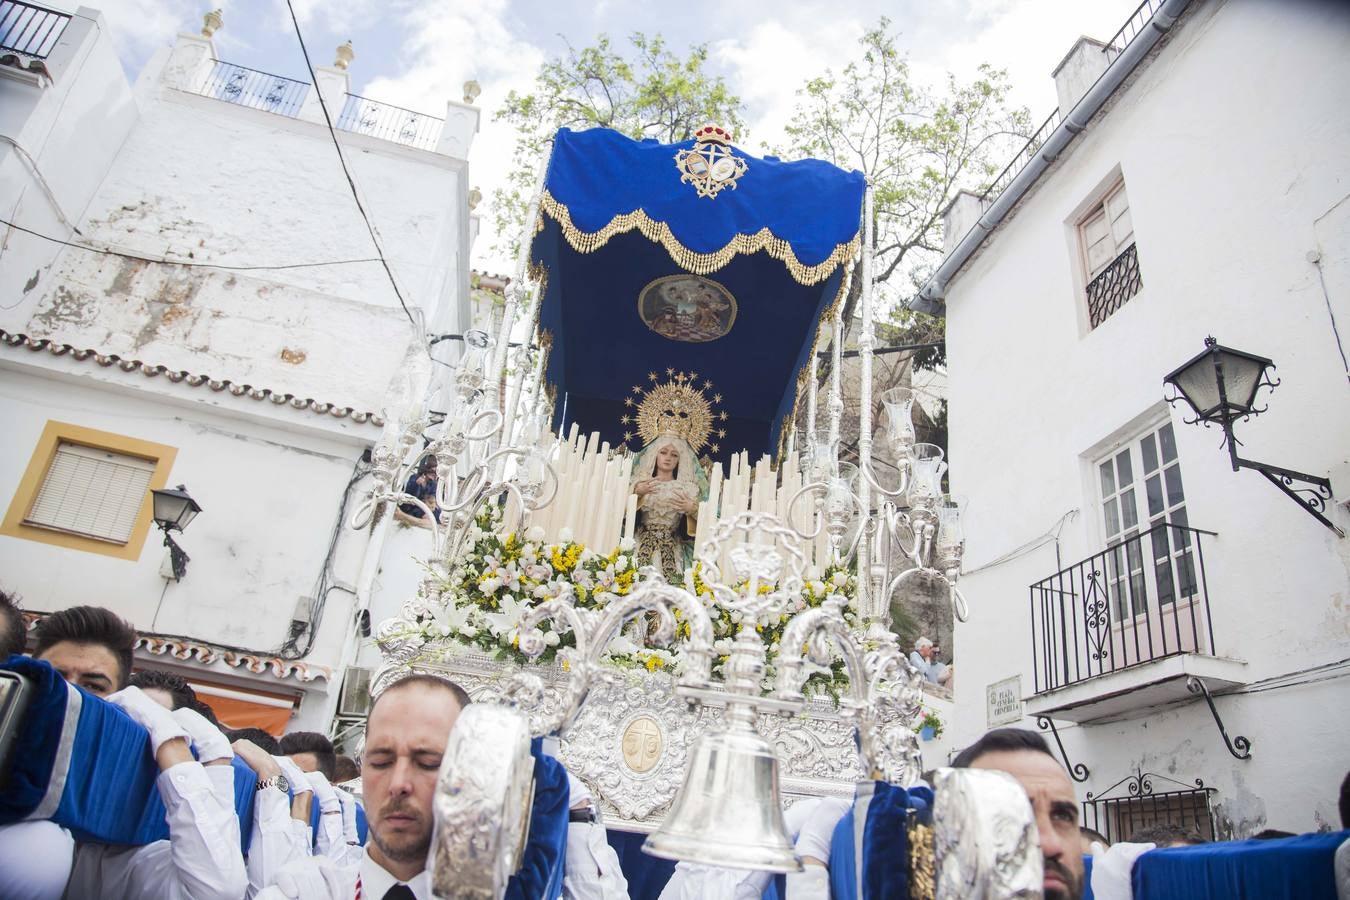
pixel 617 223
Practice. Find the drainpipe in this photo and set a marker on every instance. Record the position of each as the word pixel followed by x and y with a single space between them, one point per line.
pixel 365 581
pixel 1072 125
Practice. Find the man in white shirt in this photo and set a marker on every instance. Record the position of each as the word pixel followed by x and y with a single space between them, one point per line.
pixel 201 858
pixel 406 734
pixel 92 648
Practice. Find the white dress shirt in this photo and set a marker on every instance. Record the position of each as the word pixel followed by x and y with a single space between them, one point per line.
pixel 199 861
pixel 320 878
pixel 278 839
pixel 35 860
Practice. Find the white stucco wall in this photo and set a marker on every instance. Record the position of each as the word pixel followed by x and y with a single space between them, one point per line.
pixel 1236 160
pixel 59 137
pixel 269 502
pixel 161 172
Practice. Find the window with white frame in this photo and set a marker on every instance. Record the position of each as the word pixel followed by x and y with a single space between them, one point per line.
pixel 1110 262
pixel 92 492
pixel 1141 493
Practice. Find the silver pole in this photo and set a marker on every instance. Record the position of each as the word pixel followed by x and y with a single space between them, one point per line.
pixel 870 601
pixel 517 291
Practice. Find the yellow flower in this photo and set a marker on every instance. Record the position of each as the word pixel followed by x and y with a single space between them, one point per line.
pixel 653 663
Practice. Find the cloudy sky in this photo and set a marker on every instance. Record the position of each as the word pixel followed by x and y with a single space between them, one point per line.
pixel 419 53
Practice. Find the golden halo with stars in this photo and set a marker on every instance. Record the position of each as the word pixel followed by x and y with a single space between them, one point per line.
pixel 677 406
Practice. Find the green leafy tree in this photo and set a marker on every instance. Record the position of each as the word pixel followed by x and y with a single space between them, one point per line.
pixel 647 91
pixel 919 145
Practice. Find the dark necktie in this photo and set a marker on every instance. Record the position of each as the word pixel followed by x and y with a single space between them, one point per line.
pixel 399 892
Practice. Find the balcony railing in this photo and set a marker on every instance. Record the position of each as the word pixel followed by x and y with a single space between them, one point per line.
pixel 29 30
pixel 254 89
pixel 1019 162
pixel 392 123
pixel 1140 600
pixel 1122 39
pixel 1113 286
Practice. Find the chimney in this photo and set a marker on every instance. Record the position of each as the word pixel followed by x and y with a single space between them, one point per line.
pixel 1079 70
pixel 957 219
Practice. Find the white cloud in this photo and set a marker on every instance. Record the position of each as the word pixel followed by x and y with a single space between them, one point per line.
pixel 140 27
pixel 769 65
pixel 446 48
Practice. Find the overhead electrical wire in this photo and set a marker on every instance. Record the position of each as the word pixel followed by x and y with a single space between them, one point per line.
pixel 351 182
pixel 187 263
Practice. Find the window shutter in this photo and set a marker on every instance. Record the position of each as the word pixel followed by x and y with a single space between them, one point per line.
pixel 93 492
pixel 1097 243
pixel 1122 229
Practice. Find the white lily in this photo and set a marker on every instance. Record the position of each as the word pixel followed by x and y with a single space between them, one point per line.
pixel 507 622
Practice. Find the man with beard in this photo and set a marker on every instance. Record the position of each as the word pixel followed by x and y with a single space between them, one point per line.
pixel 406 734
pixel 1025 756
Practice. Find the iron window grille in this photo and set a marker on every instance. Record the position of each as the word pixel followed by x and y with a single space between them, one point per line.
pixel 1114 286
pixel 1133 803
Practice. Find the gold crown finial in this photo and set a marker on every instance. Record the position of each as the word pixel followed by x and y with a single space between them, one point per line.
pixel 677 406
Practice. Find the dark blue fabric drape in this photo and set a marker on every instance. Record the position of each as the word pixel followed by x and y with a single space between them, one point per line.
pixel 601 346
pixel 541 868
pixel 1296 868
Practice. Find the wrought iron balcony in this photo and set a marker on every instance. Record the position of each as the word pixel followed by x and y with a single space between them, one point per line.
pixel 392 123
pixel 29 30
pixel 1113 286
pixel 255 89
pixel 1143 599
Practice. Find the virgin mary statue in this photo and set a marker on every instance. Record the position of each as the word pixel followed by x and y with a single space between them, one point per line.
pixel 669 484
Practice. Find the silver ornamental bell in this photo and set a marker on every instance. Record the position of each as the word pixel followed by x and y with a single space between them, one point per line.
pixel 728 812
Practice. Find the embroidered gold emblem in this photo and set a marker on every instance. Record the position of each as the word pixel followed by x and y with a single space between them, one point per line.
pixel 710 165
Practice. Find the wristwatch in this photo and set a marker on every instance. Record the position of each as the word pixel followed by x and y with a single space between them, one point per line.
pixel 276 781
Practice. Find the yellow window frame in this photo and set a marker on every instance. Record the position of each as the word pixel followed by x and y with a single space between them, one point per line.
pixel 53 435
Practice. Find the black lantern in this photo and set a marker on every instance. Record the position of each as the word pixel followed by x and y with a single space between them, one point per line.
pixel 174 509
pixel 1220 384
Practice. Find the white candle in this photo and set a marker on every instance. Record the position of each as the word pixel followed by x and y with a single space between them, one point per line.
pixel 630 517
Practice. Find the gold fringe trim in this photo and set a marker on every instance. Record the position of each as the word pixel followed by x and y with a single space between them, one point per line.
pixel 790 421
pixel 690 260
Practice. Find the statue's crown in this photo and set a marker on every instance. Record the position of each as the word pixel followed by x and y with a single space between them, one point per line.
pixel 678 407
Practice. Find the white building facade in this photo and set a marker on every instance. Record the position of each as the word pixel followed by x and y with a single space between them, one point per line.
pixel 252 367
pixel 1115 561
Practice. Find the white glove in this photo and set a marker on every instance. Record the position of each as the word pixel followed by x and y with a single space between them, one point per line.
pixel 298 779
pixel 1111 869
pixel 323 791
pixel 211 743
pixel 315 878
pixel 350 833
pixel 818 829
pixel 157 720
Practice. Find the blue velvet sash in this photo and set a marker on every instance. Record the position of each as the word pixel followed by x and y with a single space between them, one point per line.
pixel 885 842
pixel 83 763
pixel 540 875
pixel 1296 868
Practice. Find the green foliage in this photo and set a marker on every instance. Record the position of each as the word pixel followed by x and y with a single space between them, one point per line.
pixel 918 146
pixel 645 91
pixel 930 720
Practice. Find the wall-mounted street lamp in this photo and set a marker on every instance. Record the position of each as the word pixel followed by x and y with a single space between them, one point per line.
pixel 174 509
pixel 1220 384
